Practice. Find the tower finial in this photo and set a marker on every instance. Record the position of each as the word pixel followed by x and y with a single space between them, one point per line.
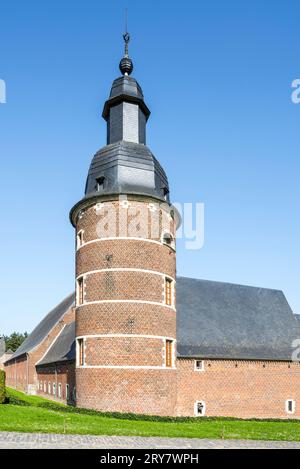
pixel 126 65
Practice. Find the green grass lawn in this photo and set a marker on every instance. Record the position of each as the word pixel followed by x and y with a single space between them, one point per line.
pixel 35 414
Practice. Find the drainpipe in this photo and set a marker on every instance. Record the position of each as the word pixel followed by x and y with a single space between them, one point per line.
pixel 27 372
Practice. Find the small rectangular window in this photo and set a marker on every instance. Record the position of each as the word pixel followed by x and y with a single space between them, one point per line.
pixel 45 387
pixel 199 365
pixel 54 389
pixel 169 353
pixel 59 390
pixel 67 392
pixel 80 352
pixel 49 388
pixel 199 408
pixel 80 291
pixel 79 239
pixel 290 406
pixel 168 291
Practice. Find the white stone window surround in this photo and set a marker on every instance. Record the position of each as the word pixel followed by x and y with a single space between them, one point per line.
pixel 199 365
pixel 196 408
pixel 79 239
pixel 173 353
pixel 172 305
pixel 78 294
pixel 288 403
pixel 83 338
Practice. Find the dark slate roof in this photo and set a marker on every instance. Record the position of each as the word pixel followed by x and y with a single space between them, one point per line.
pixel 63 349
pixel 223 320
pixel 214 320
pixel 125 88
pixel 44 327
pixel 128 168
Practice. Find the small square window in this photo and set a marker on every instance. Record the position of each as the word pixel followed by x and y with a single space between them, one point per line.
pixel 290 406
pixel 199 408
pixel 199 365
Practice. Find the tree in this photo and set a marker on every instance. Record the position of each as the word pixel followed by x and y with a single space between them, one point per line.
pixel 14 341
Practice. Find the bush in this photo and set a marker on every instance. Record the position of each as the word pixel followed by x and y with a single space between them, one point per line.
pixel 2 387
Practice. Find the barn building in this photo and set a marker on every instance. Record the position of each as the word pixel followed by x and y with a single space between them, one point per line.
pixel 135 337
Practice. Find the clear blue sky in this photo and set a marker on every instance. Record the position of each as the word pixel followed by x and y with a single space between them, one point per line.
pixel 217 78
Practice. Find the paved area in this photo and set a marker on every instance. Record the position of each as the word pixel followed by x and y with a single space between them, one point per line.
pixel 13 440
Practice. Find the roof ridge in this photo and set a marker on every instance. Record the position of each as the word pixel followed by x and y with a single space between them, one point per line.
pixel 231 283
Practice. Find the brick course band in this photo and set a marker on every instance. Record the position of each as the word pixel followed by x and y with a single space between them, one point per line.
pixel 123 286
pixel 134 318
pixel 125 253
pixel 124 351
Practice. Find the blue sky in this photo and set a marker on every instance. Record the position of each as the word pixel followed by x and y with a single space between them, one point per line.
pixel 217 78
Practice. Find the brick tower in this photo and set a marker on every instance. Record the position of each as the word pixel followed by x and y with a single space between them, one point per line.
pixel 126 267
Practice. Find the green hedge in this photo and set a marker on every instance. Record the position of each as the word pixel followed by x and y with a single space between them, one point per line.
pixel 2 387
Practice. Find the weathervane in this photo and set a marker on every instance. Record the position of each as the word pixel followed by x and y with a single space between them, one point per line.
pixel 126 65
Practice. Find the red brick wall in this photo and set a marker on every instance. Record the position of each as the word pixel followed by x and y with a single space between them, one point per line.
pixel 126 374
pixel 244 389
pixel 21 372
pixel 127 390
pixel 16 373
pixel 60 374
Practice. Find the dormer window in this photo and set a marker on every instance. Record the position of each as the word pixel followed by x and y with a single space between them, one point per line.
pixel 100 183
pixel 165 192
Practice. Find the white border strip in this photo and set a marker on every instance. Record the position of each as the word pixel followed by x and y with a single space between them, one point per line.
pixel 159 337
pixel 126 269
pixel 114 238
pixel 133 367
pixel 126 301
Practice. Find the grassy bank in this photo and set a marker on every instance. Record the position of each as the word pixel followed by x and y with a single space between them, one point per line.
pixel 35 414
